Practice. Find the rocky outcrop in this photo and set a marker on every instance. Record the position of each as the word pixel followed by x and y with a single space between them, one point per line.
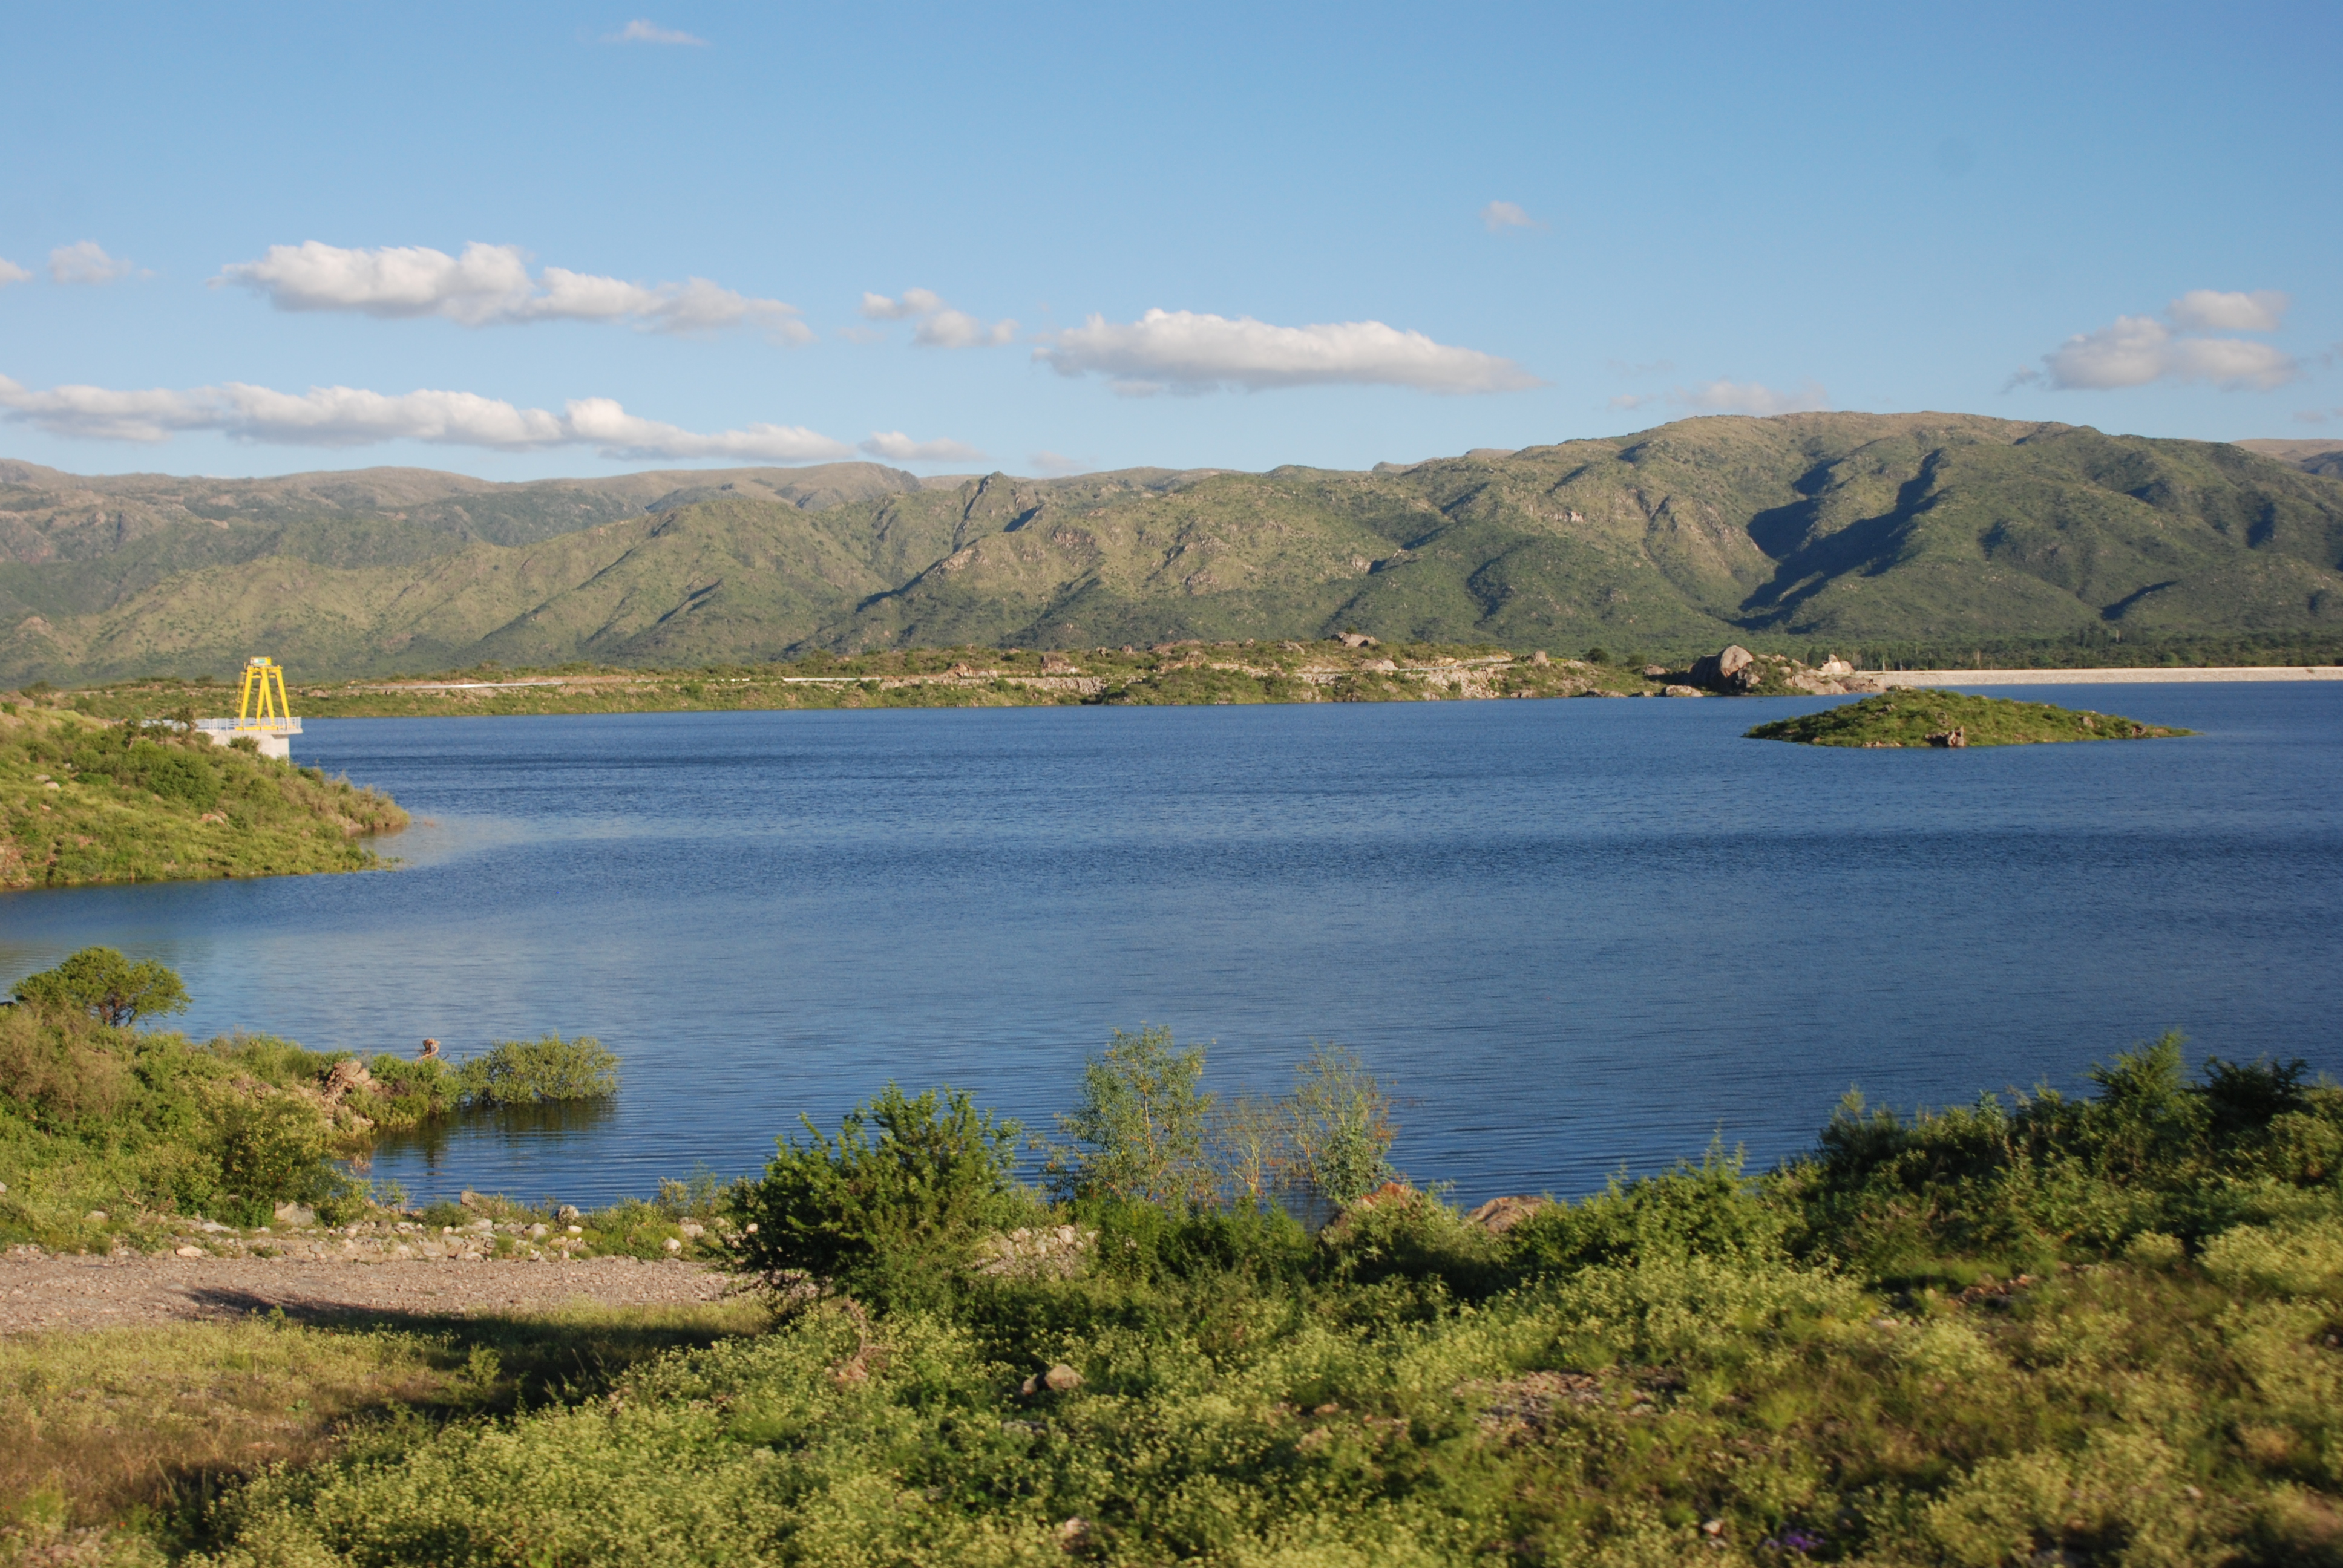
pixel 1724 672
pixel 1499 1216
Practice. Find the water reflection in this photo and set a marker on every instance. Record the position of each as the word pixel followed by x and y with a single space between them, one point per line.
pixel 527 1146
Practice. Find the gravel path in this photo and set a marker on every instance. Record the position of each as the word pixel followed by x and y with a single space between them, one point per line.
pixel 91 1292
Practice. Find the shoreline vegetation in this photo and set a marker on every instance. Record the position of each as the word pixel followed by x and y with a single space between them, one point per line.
pixel 2097 1330
pixel 123 797
pixel 1927 719
pixel 1350 668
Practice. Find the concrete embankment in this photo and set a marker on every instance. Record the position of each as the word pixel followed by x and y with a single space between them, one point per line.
pixel 2144 676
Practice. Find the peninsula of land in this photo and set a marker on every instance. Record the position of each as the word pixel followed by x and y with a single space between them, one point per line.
pixel 86 799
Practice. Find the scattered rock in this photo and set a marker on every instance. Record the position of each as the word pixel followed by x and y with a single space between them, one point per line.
pixel 1383 664
pixel 1075 1534
pixel 190 1252
pixel 566 1212
pixel 1358 640
pixel 1655 670
pixel 1499 1216
pixel 1683 691
pixel 672 1245
pixel 1834 664
pixel 1712 1527
pixel 692 1228
pixel 1062 1379
pixel 1955 736
pixel 345 1077
pixel 1540 657
pixel 1043 1252
pixel 295 1215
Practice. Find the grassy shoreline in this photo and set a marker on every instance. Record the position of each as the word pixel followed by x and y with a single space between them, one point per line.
pixel 2106 1330
pixel 88 800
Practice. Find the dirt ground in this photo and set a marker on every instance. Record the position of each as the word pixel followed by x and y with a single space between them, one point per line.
pixel 59 1292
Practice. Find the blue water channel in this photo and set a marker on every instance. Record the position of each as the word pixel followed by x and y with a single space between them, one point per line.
pixel 1577 935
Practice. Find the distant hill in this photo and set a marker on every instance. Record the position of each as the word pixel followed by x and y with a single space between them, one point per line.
pixel 1841 527
pixel 2310 456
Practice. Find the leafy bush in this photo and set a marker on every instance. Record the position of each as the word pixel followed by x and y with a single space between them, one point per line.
pixel 1703 1210
pixel 1140 1129
pixel 887 1211
pixel 548 1070
pixel 108 987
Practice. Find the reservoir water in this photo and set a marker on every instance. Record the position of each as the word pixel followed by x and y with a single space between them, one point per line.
pixel 1576 935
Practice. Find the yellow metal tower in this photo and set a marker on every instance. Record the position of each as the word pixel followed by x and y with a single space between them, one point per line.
pixel 262 703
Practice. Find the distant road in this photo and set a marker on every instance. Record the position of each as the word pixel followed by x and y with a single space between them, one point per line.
pixel 2146 676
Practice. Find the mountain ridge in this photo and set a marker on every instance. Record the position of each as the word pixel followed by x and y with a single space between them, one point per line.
pixel 1839 527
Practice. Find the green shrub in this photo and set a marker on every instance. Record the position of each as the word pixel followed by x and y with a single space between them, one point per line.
pixel 1342 1127
pixel 108 987
pixel 270 1146
pixel 889 1210
pixel 548 1070
pixel 1703 1210
pixel 1140 1128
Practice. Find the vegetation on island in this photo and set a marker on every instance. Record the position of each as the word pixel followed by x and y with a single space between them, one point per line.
pixel 85 799
pixel 1872 533
pixel 1926 717
pixel 2091 1330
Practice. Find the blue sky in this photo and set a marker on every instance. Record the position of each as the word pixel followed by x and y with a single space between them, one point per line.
pixel 1373 232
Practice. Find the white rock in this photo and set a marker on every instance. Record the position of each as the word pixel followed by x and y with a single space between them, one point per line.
pixel 94 1217
pixel 191 1251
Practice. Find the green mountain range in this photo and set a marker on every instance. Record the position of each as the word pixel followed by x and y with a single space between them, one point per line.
pixel 1825 527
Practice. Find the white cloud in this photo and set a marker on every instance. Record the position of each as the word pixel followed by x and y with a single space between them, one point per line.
pixel 490 284
pixel 641 32
pixel 1186 352
pixel 351 417
pixel 940 325
pixel 2210 310
pixel 1500 215
pixel 1750 398
pixel 899 448
pixel 1632 399
pixel 915 302
pixel 2136 350
pixel 1057 465
pixel 86 261
pixel 11 273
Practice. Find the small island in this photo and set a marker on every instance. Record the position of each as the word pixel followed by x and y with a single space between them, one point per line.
pixel 1926 717
pixel 85 800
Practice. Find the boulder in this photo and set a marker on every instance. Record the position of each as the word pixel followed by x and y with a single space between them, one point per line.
pixel 1062 1378
pixel 1499 1216
pixel 1684 691
pixel 1655 670
pixel 1358 640
pixel 295 1215
pixel 1718 670
pixel 344 1076
pixel 1540 657
pixel 1955 736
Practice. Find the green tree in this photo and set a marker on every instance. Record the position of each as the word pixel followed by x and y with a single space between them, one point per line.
pixel 1141 1129
pixel 103 983
pixel 1341 1126
pixel 886 1210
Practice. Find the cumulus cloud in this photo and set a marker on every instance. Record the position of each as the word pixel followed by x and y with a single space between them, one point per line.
pixel 490 284
pixel 940 325
pixel 2210 310
pixel 352 417
pixel 1723 396
pixel 641 32
pixel 896 446
pixel 2136 350
pixel 1183 351
pixel 1057 465
pixel 1500 215
pixel 1632 399
pixel 86 261
pixel 2139 350
pixel 11 273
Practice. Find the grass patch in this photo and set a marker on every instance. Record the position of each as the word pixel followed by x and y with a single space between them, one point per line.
pixel 82 802
pixel 1924 718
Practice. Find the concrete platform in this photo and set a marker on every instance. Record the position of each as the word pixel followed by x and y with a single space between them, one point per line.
pixel 274 735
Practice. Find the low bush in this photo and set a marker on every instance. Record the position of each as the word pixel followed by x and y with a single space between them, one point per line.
pixel 544 1072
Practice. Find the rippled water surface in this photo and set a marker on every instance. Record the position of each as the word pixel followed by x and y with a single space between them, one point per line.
pixel 1575 933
